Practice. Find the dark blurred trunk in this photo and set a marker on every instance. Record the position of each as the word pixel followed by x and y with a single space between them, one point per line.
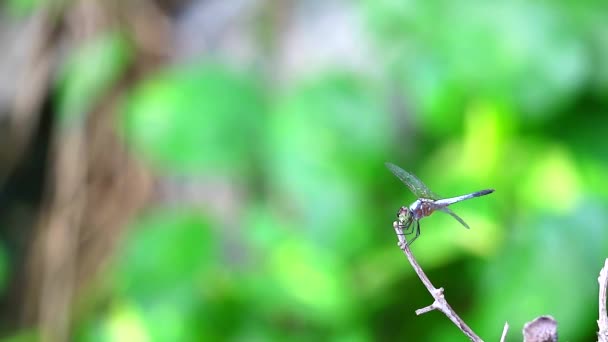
pixel 66 193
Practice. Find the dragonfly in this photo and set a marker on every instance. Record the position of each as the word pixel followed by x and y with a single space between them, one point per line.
pixel 408 218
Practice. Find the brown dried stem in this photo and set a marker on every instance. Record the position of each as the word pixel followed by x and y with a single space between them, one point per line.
pixel 440 302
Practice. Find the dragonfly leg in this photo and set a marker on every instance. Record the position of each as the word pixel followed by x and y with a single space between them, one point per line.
pixel 417 229
pixel 405 227
pixel 409 227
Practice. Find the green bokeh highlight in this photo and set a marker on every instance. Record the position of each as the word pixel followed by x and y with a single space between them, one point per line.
pixel 87 75
pixel 195 118
pixel 467 96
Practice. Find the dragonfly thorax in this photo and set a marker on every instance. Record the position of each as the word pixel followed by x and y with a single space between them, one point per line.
pixel 422 207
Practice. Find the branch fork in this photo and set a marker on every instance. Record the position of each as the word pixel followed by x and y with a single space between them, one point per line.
pixel 543 328
pixel 440 303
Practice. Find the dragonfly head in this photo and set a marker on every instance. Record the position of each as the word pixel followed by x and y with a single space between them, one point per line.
pixel 403 214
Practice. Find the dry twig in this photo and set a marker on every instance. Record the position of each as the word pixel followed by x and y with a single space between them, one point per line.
pixel 440 302
pixel 602 322
pixel 504 332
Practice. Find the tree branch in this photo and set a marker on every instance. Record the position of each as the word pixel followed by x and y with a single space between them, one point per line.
pixel 602 322
pixel 440 302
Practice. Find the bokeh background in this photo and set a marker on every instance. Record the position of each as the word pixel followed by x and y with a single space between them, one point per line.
pixel 201 170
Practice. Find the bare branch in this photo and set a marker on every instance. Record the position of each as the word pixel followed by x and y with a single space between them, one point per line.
pixel 504 332
pixel 440 302
pixel 427 309
pixel 602 322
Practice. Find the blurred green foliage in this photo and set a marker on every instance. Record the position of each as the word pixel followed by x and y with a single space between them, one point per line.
pixel 195 117
pixel 509 95
pixel 88 73
pixel 4 268
pixel 166 274
pixel 22 8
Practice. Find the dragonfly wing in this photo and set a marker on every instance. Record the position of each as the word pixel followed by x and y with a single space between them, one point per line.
pixel 416 186
pixel 453 214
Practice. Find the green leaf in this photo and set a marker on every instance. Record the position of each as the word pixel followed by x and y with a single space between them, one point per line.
pixel 167 254
pixel 195 118
pixel 326 142
pixel 164 279
pixel 549 266
pixel 305 281
pixel 4 267
pixel 486 52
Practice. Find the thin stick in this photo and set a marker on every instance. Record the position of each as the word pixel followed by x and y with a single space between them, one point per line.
pixel 504 332
pixel 602 322
pixel 440 303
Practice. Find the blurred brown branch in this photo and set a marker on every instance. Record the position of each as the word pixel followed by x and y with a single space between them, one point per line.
pixel 93 186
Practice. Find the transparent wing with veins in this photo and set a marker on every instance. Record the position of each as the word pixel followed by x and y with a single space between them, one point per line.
pixel 453 214
pixel 416 186
pixel 422 191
